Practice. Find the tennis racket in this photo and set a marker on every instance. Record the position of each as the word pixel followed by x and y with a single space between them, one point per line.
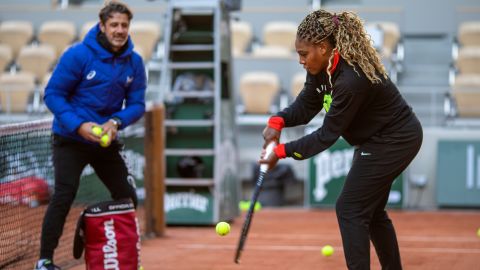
pixel 256 192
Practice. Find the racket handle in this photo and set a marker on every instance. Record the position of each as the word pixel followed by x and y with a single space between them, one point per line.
pixel 268 151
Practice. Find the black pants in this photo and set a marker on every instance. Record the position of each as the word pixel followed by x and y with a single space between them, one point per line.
pixel 69 159
pixel 361 205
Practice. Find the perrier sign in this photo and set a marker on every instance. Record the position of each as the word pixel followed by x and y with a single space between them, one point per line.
pixel 327 172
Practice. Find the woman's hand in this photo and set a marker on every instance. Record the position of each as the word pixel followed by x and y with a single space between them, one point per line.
pixel 271 159
pixel 271 135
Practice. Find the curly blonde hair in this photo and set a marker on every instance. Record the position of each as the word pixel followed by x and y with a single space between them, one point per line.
pixel 347 35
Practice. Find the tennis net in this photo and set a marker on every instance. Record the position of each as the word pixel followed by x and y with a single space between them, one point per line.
pixel 26 185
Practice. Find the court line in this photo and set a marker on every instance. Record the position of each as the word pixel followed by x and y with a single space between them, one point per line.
pixel 410 238
pixel 318 248
pixel 442 250
pixel 406 238
pixel 256 247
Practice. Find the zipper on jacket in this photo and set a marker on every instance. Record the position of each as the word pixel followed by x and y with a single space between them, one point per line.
pixel 112 83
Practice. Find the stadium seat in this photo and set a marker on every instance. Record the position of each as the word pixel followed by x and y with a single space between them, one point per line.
pixel 15 91
pixel 145 35
pixel 298 81
pixel 38 104
pixel 140 51
pixel 391 37
pixel 271 52
pixel 242 34
pixel 85 28
pixel 466 92
pixel 59 34
pixel 280 33
pixel 258 90
pixel 6 56
pixel 376 35
pixel 16 34
pixel 37 59
pixel 469 33
pixel 387 41
pixel 44 81
pixel 469 60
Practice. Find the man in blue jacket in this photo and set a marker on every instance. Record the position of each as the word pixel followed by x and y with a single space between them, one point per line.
pixel 98 82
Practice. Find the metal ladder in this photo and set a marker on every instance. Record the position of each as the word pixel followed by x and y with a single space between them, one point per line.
pixel 199 123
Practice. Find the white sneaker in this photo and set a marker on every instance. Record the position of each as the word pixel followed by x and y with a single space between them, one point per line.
pixel 45 264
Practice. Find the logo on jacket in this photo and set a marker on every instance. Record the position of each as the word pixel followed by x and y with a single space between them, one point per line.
pixel 327 100
pixel 323 88
pixel 129 80
pixel 91 74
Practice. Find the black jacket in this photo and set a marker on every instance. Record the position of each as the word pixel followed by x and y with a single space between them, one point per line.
pixel 359 110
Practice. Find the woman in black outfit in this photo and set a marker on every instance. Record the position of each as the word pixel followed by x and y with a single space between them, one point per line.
pixel 345 76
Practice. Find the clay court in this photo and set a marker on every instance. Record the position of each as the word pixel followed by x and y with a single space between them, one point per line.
pixel 292 239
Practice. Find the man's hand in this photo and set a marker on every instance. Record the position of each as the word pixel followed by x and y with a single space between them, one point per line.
pixel 110 128
pixel 85 130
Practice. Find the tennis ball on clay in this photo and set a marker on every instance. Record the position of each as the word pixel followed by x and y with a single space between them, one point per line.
pixel 96 130
pixel 327 251
pixel 478 232
pixel 222 228
pixel 105 140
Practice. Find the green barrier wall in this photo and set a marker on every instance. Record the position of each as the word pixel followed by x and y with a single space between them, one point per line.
pixel 458 173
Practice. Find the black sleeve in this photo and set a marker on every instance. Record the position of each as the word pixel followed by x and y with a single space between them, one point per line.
pixel 343 109
pixel 307 104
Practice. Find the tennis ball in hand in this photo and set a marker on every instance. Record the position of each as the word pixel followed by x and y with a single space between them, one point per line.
pixel 327 250
pixel 222 228
pixel 96 130
pixel 105 140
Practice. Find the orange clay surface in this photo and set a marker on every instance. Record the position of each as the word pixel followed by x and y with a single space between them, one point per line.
pixel 289 238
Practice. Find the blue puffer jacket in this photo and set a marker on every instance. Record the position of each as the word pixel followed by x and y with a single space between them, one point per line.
pixel 90 84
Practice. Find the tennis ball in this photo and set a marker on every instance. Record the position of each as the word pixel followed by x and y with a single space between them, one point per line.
pixel 243 205
pixel 327 251
pixel 478 232
pixel 222 228
pixel 96 130
pixel 258 206
pixel 140 268
pixel 105 140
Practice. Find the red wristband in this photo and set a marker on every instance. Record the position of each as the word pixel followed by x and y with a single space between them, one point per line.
pixel 276 122
pixel 280 151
